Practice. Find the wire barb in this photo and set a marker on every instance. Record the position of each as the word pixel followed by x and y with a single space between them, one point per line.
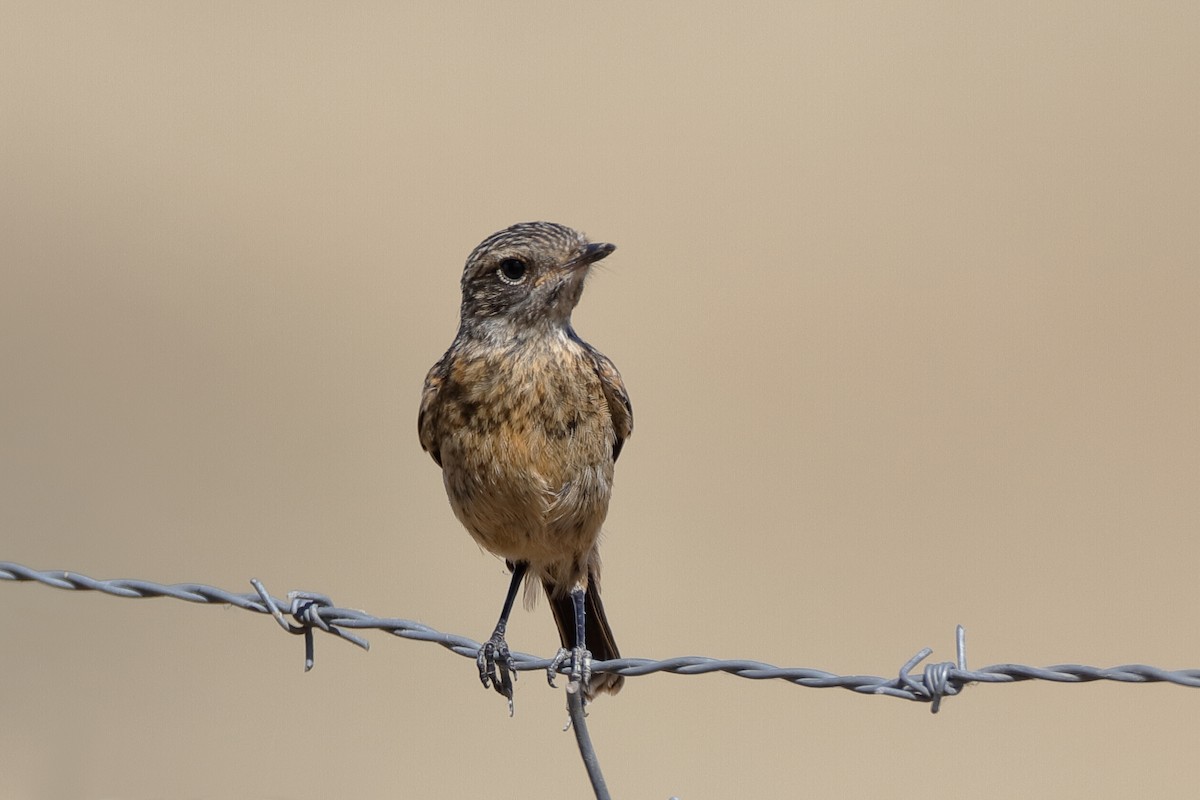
pixel 939 680
pixel 305 609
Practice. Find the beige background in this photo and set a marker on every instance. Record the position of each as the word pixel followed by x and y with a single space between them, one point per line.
pixel 906 298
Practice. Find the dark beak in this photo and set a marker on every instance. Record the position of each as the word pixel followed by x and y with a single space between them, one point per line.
pixel 593 253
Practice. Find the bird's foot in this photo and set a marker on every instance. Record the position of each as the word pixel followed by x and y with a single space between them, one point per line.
pixel 497 667
pixel 581 666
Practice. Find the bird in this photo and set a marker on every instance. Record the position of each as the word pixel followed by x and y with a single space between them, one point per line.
pixel 526 421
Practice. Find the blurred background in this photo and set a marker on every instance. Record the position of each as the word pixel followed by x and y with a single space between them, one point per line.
pixel 907 297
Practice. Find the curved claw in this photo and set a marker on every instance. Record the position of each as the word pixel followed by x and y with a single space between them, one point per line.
pixel 497 667
pixel 559 659
pixel 581 665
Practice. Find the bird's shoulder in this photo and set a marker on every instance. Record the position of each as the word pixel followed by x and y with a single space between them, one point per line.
pixel 427 418
pixel 619 405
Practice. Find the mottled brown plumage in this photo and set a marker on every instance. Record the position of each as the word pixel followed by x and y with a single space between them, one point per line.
pixel 527 420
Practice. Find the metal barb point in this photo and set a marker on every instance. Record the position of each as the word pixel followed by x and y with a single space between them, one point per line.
pixel 269 602
pixel 305 609
pixel 936 679
pixel 939 678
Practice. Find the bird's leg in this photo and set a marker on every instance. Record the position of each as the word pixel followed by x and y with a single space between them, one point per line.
pixel 581 659
pixel 496 666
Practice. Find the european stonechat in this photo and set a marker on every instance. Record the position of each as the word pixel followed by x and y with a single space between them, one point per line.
pixel 526 421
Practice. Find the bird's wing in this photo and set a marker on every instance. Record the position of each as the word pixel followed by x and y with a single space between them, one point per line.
pixel 614 393
pixel 427 419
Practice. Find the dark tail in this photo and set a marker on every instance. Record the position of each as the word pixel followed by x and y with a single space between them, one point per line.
pixel 599 636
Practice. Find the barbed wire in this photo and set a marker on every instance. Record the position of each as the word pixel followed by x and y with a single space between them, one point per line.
pixel 311 610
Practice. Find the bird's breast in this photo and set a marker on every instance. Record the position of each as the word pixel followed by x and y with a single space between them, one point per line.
pixel 526 447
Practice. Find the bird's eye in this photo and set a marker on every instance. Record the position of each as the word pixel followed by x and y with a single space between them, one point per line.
pixel 512 270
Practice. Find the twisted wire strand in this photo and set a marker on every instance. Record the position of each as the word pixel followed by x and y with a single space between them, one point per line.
pixel 310 610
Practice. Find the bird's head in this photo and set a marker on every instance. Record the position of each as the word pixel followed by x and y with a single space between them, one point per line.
pixel 528 276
